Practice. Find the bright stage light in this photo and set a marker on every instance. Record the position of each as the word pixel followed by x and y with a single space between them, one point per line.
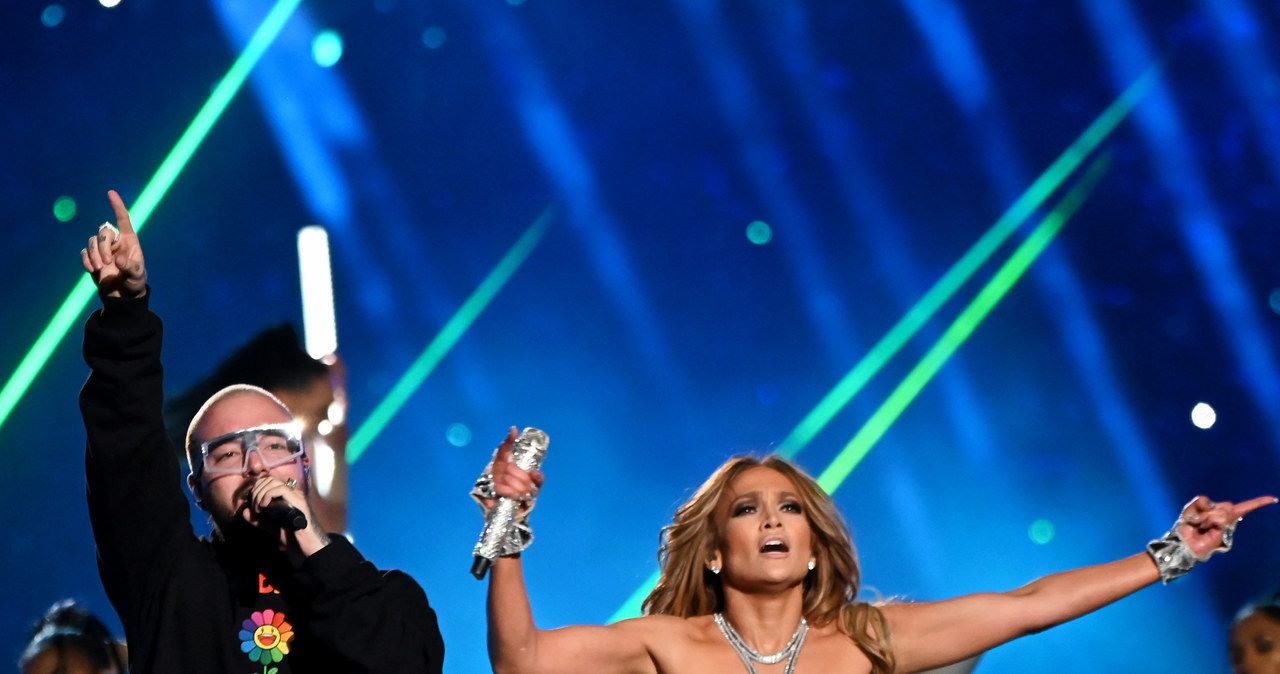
pixel 1041 532
pixel 759 232
pixel 326 48
pixel 318 321
pixel 324 461
pixel 64 208
pixel 458 435
pixel 1203 416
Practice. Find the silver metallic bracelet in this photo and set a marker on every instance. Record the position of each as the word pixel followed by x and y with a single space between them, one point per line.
pixel 520 535
pixel 1172 556
pixel 1175 559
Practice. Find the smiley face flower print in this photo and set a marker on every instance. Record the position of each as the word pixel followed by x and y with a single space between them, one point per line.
pixel 265 638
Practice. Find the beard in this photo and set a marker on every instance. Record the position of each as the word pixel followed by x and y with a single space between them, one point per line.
pixel 237 531
pixel 231 525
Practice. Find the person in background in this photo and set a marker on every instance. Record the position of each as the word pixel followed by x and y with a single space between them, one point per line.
pixel 313 389
pixel 70 640
pixel 1254 638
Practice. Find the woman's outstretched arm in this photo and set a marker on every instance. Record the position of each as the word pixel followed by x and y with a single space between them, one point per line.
pixel 931 634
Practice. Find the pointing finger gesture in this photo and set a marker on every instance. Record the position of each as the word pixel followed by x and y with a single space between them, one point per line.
pixel 113 257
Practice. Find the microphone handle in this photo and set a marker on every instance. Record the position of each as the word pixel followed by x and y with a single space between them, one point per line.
pixel 285 516
pixel 491 539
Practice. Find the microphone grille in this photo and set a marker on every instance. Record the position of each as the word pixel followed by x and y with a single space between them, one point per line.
pixel 530 448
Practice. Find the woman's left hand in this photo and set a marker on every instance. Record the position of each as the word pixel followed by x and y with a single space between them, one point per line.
pixel 1206 525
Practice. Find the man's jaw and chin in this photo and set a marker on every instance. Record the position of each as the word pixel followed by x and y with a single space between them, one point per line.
pixel 236 524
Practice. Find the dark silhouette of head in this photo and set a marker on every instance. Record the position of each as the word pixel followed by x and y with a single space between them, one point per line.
pixel 70 640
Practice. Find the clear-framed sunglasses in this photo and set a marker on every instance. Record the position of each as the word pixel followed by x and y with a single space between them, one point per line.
pixel 276 445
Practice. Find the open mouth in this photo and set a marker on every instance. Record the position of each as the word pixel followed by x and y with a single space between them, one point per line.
pixel 774 545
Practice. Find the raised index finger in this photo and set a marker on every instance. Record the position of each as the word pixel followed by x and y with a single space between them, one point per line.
pixel 504 450
pixel 1253 504
pixel 123 223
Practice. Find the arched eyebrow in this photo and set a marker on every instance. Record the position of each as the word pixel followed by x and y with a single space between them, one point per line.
pixel 756 496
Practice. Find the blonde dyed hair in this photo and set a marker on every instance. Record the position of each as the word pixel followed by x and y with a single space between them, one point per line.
pixel 686 588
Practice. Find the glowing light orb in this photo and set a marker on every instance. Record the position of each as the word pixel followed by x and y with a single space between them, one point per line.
pixel 759 232
pixel 458 435
pixel 64 208
pixel 326 48
pixel 53 15
pixel 434 37
pixel 1041 531
pixel 1203 416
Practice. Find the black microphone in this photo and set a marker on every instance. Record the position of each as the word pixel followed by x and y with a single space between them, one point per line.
pixel 283 515
pixel 527 453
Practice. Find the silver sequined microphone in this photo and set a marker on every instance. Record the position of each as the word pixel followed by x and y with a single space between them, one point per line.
pixel 527 453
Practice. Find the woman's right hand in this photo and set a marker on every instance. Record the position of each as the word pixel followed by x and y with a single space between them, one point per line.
pixel 510 480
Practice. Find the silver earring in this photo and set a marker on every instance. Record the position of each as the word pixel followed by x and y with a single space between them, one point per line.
pixel 813 563
pixel 715 568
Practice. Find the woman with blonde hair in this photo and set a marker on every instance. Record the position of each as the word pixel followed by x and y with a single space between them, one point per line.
pixel 759 574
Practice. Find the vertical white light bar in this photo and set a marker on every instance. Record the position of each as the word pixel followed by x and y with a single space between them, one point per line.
pixel 319 329
pixel 319 326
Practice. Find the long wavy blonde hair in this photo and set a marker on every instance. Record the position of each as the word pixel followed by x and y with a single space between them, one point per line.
pixel 687 588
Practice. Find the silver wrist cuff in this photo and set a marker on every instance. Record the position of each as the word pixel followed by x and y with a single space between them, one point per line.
pixel 1175 559
pixel 1172 556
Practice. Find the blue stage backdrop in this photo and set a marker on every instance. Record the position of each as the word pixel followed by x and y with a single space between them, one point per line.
pixel 994 255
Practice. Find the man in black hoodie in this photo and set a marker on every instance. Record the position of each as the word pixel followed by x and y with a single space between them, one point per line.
pixel 269 591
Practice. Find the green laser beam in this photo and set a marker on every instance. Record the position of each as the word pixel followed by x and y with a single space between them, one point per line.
pixel 924 309
pixel 959 331
pixel 631 608
pixel 63 319
pixel 446 338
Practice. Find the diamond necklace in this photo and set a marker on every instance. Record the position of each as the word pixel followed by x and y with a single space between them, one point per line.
pixel 747 653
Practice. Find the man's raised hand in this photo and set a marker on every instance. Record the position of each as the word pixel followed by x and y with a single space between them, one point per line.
pixel 113 257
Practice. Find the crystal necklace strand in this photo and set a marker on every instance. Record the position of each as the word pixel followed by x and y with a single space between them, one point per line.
pixel 747 653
